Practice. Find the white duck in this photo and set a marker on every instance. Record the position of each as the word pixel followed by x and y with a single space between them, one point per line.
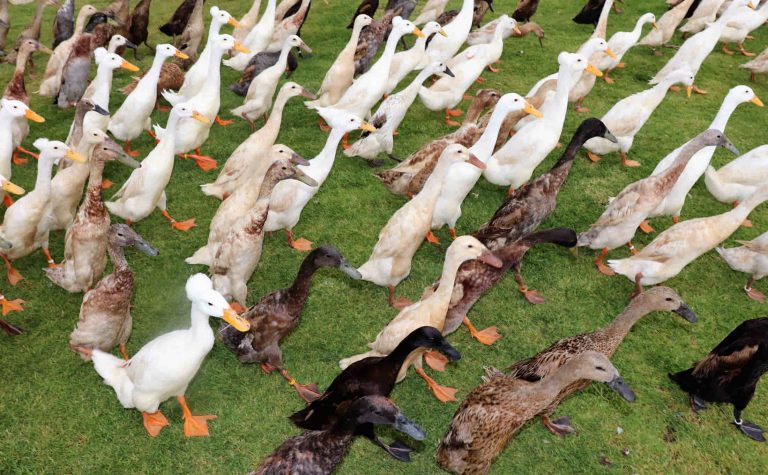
pixel 247 22
pixel 191 134
pixel 629 115
pixel 695 50
pixel 258 99
pixel 145 188
pixel 673 203
pixel 752 258
pixel 666 25
pixel 704 14
pixel 390 114
pixel 367 89
pixel 392 255
pixel 23 217
pixel 198 74
pixel 513 164
pixel 462 177
pixel 679 245
pixel 340 75
pixel 289 197
pixel 245 159
pixel 467 66
pixel 740 178
pixel 164 367
pixel 442 48
pixel 256 40
pixel 620 43
pixel 404 62
pixel 133 116
pixel 737 30
pixel 430 11
pixel 9 112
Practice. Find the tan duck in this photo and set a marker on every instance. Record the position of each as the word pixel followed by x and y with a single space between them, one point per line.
pixel 32 31
pixel 752 258
pixel 495 411
pixel 191 37
pixel 759 65
pixel 240 251
pixel 429 311
pixel 5 25
pixel 85 243
pixel 408 177
pixel 105 314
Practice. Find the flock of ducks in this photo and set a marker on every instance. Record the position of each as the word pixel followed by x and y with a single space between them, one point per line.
pixel 264 187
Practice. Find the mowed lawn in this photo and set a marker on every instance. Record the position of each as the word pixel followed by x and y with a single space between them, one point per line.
pixel 56 416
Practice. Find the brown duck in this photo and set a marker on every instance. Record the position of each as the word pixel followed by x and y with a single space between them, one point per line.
pixel 105 314
pixel 494 411
pixel 277 314
pixel 409 176
pixel 138 31
pixel 371 39
pixel 605 341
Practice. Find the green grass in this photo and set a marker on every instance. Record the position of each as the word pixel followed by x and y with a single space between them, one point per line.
pixel 57 416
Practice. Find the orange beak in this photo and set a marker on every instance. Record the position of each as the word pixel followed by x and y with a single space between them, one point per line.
pixel 130 67
pixel 33 116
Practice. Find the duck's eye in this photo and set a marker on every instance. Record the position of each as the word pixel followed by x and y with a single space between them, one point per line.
pixel 210 304
pixel 517 100
pixel 599 368
pixel 669 299
pixel 285 168
pixel 471 246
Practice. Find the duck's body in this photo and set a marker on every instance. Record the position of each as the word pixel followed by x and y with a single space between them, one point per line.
pixel 404 62
pixel 666 25
pixel 730 373
pixel 17 90
pixel 138 30
pixel 370 40
pixel 751 258
pixel 739 178
pixel 190 40
pixel 431 10
pixel 621 42
pixel 247 22
pixel 739 27
pixel 10 112
pixel 679 245
pixel 759 65
pixel 702 16
pixel 257 39
pixel 292 21
pixel 179 19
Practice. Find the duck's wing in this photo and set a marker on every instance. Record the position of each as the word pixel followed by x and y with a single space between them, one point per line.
pixel 736 350
pixel 620 209
pixel 547 361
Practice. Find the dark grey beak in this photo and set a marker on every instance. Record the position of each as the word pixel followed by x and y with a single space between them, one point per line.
pixel 449 351
pixel 618 385
pixel 406 426
pixel 349 270
pixel 304 178
pixel 447 71
pixel 297 159
pixel 145 247
pixel 129 44
pixel 4 243
pixel 685 311
pixel 490 5
pixel 730 147
pixel 128 161
pixel 609 136
pixel 98 109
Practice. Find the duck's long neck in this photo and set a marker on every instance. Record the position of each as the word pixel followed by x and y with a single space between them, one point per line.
pixel 638 29
pixel 283 58
pixel 354 38
pixel 80 23
pixel 37 21
pixel 389 51
pixel 275 117
pixel 559 171
pixel 213 32
pixel 432 188
pixel 44 173
pixel 168 139
pixel 153 75
pixel 213 78
pixel 300 288
pixel 474 112
pixel 745 207
pixel 447 280
pixel 622 324
pixel 21 62
pixel 200 328
pixel 103 84
pixel 117 256
pixel 328 154
pixel 484 146
pixel 413 88
pixel 555 382
pixel 467 9
pixel 671 174
pixel 602 23
pixel 268 17
pixel 94 203
pixel 77 127
pixel 721 119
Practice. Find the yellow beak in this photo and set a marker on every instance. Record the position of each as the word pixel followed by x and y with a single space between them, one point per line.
pixel 751 5
pixel 442 32
pixel 33 116
pixel 181 55
pixel 655 26
pixel 200 117
pixel 233 22
pixel 241 48
pixel 756 101
pixel 238 323
pixel 610 53
pixel 532 110
pixel 367 127
pixel 591 69
pixel 418 32
pixel 517 32
pixel 688 91
pixel 11 188
pixel 74 156
pixel 130 67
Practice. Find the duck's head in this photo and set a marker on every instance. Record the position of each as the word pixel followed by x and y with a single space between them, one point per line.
pixel 222 17
pixel 593 127
pixel 507 25
pixel 285 166
pixel 291 89
pixel 576 64
pixel 119 40
pixel 32 45
pixel 457 153
pixel 9 187
pixel 124 236
pixel 467 248
pixel 402 27
pixel 228 42
pixel 648 18
pixel 362 20
pixel 294 41
pixel 741 94
pixel 329 256
pixel 184 110
pixel 513 102
pixel 168 51
pixel 683 76
pixel 597 367
pixel 664 299
pixel 108 150
pixel 715 138
pixel 432 27
pixel 87 105
pixel 87 10
pixel 19 109
pixel 54 151
pixel 209 302
pixel 487 97
pixel 438 68
pixel 344 121
pixel 431 338
pixel 112 60
pixel 596 45
pixel 381 411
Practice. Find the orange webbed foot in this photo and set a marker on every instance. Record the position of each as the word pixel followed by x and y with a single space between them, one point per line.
pixel 7 201
pixel 432 238
pixel 197 426
pixel 183 225
pixel 302 244
pixel 106 184
pixel 752 293
pixel 593 157
pixel 533 296
pixel 17 160
pixel 747 223
pixel 8 306
pixel 604 269
pixel 486 337
pixel 154 422
pixel 14 276
pixel 442 393
pixel 308 392
pixel 224 123
pixel 400 303
pixel 435 360
pixel 646 227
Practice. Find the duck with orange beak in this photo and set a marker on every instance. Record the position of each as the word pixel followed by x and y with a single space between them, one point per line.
pixel 10 111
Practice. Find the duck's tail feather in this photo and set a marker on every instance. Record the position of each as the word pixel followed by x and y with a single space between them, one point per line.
pixel 112 369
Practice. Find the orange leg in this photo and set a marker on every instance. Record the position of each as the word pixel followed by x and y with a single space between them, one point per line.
pixel 106 184
pixel 14 276
pixel 128 151
pixel 194 426
pixel 7 306
pixel 599 262
pixel 223 123
pixel 432 238
pixel 646 227
pixel 486 337
pixel 324 126
pixel 593 157
pixel 492 69
pixel 442 393
pixel 480 80
pixel 752 293
pixel 608 80
pixel 345 141
pixel 631 247
pixel 743 51
pixel 399 302
pixel 452 113
pixel 308 392
pixel 510 191
pixel 18 160
pixel 300 244
pixel 579 107
pixel 627 162
pixel 154 422
pixel 124 352
pixel 452 232
pixel 7 200
pixel 49 258
pixel 699 91
pixel 675 219
pixel 205 162
pixel 181 226
pixel 726 50
pixel 435 360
